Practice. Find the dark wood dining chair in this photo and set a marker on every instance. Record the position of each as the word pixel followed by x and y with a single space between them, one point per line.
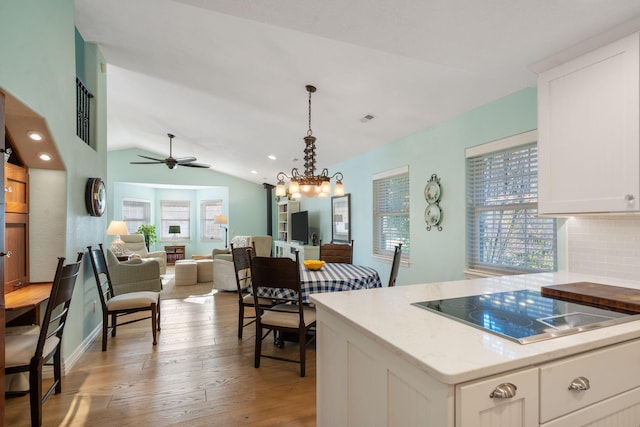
pixel 336 252
pixel 242 267
pixel 31 352
pixel 289 316
pixel 395 265
pixel 117 306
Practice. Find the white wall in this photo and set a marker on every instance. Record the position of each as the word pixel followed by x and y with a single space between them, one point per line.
pixel 605 246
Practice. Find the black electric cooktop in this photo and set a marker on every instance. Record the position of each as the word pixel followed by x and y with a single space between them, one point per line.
pixel 525 316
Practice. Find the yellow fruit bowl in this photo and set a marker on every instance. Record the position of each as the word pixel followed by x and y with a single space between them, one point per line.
pixel 313 264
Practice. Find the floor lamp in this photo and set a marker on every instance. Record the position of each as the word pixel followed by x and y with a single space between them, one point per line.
pixel 222 219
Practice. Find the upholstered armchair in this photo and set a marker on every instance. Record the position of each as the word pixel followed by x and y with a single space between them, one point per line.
pixel 133 275
pixel 135 243
pixel 224 275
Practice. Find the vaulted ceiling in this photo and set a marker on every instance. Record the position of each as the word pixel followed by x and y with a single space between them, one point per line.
pixel 228 77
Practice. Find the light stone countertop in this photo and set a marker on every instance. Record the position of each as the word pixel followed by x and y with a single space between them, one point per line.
pixel 453 352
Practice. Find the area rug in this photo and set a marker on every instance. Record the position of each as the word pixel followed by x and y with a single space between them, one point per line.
pixel 171 291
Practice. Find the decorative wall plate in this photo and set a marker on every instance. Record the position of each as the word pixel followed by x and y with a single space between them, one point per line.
pixel 432 191
pixel 95 197
pixel 432 194
pixel 433 216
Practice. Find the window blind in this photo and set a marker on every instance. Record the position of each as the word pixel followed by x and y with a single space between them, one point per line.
pixel 135 213
pixel 175 212
pixel 391 213
pixel 209 209
pixel 504 232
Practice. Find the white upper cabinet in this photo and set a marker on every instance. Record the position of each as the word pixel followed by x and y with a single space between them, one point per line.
pixel 588 127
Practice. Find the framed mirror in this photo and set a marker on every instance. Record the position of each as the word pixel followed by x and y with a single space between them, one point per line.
pixel 340 219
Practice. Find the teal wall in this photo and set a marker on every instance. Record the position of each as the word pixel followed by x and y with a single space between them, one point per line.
pixel 435 255
pixel 193 246
pixel 37 47
pixel 244 202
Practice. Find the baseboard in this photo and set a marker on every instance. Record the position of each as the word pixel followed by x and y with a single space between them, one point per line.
pixel 68 362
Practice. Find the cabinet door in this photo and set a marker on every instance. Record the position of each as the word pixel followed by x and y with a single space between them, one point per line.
pixel 588 118
pixel 475 405
pixel 621 411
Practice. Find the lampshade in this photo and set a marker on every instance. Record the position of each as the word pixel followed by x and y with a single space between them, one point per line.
pixel 117 228
pixel 174 229
pixel 220 219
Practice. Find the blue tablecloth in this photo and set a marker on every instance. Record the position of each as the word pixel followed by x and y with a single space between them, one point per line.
pixel 332 278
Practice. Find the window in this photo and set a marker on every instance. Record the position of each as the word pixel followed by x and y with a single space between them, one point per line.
pixel 209 209
pixel 391 212
pixel 175 212
pixel 504 233
pixel 136 213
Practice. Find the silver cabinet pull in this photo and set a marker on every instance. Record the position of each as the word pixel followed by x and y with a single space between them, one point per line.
pixel 580 384
pixel 504 391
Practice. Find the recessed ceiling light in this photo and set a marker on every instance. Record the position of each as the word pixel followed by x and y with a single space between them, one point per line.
pixel 35 135
pixel 255 172
pixel 44 156
pixel 271 156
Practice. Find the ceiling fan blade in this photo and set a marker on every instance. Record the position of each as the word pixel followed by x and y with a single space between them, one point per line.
pixel 146 163
pixel 151 158
pixel 195 165
pixel 183 160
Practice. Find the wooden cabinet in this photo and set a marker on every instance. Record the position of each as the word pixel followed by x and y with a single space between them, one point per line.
pixel 589 132
pixel 174 253
pixel 16 267
pixel 285 209
pixel 16 189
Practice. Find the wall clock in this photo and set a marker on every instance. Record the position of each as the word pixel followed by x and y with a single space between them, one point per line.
pixel 95 197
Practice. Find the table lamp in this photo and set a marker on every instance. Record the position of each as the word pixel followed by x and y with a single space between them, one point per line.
pixel 117 228
pixel 222 219
pixel 174 229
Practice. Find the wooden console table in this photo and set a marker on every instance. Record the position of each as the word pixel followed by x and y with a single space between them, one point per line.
pixel 174 253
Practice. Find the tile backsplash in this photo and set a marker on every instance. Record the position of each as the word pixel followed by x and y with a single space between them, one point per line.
pixel 604 246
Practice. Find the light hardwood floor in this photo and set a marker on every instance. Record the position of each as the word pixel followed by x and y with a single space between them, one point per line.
pixel 199 374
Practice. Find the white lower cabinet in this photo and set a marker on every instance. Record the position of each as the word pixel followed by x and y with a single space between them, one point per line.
pixel 506 400
pixel 363 382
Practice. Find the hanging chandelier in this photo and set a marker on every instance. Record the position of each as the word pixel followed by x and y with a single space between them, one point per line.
pixel 309 184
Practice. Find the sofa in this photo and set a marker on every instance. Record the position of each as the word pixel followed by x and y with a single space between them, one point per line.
pixel 135 243
pixel 133 275
pixel 224 276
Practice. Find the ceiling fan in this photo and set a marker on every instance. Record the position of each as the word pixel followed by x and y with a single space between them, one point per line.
pixel 171 161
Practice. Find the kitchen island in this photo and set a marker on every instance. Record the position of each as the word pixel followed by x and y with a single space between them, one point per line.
pixel 382 361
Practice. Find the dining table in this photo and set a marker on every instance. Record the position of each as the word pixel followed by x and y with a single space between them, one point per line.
pixel 332 277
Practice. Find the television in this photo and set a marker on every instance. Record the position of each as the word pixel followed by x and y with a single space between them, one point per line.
pixel 300 227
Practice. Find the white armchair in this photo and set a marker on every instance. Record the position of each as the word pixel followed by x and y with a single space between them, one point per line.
pixel 135 243
pixel 224 275
pixel 134 275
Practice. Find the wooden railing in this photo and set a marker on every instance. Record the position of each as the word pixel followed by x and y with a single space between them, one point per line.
pixel 83 112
